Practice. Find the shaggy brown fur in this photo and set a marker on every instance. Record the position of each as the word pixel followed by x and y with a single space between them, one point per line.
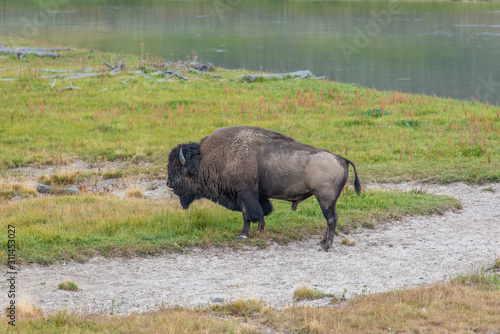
pixel 242 167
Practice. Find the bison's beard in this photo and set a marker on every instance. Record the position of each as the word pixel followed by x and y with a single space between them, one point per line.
pixel 186 201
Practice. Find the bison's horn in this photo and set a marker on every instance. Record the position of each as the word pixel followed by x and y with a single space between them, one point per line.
pixel 181 157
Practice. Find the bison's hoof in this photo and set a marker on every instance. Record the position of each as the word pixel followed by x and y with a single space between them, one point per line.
pixel 324 246
pixel 243 237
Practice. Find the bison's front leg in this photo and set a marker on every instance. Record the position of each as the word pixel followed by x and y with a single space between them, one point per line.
pixel 251 210
pixel 246 230
pixel 331 220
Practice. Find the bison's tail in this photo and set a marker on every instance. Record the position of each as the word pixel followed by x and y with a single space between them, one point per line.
pixel 357 185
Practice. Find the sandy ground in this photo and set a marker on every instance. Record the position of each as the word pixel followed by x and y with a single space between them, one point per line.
pixel 397 255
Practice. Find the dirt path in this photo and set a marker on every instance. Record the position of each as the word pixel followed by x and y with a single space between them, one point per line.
pixel 398 255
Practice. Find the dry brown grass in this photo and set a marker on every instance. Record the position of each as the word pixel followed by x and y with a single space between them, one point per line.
pixel 496 264
pixel 178 321
pixel 456 307
pixel 439 308
pixel 63 178
pixel 135 193
pixel 10 190
pixel 25 309
pixel 347 242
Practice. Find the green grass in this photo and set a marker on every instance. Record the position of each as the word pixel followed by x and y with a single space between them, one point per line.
pixel 389 135
pixel 481 279
pixel 239 307
pixel 306 293
pixel 68 285
pixel 490 189
pixel 113 174
pixel 53 229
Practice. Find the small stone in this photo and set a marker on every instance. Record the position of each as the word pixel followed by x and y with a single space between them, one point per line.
pixel 217 300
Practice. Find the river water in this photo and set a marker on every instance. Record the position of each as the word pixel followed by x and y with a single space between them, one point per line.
pixel 448 49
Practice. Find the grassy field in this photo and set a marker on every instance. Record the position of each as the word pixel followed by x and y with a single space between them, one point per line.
pixel 78 227
pixel 132 117
pixel 126 116
pixel 391 136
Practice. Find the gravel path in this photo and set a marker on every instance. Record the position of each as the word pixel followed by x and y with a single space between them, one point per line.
pixel 397 255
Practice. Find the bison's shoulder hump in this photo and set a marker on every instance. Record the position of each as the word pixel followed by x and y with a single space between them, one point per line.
pixel 249 133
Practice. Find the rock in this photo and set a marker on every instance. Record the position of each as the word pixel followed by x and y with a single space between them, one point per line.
pixel 217 300
pixel 44 189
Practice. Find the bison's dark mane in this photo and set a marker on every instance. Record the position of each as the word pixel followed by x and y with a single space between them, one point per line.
pixel 226 201
pixel 232 202
pixel 195 184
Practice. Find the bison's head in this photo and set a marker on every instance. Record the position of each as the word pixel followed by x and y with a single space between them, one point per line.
pixel 183 173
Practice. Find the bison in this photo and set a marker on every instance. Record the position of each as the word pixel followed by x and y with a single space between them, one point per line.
pixel 242 167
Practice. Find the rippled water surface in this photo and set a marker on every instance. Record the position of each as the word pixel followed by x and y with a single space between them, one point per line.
pixel 447 49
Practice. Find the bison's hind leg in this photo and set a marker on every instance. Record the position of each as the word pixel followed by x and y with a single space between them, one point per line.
pixel 262 225
pixel 267 208
pixel 331 217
